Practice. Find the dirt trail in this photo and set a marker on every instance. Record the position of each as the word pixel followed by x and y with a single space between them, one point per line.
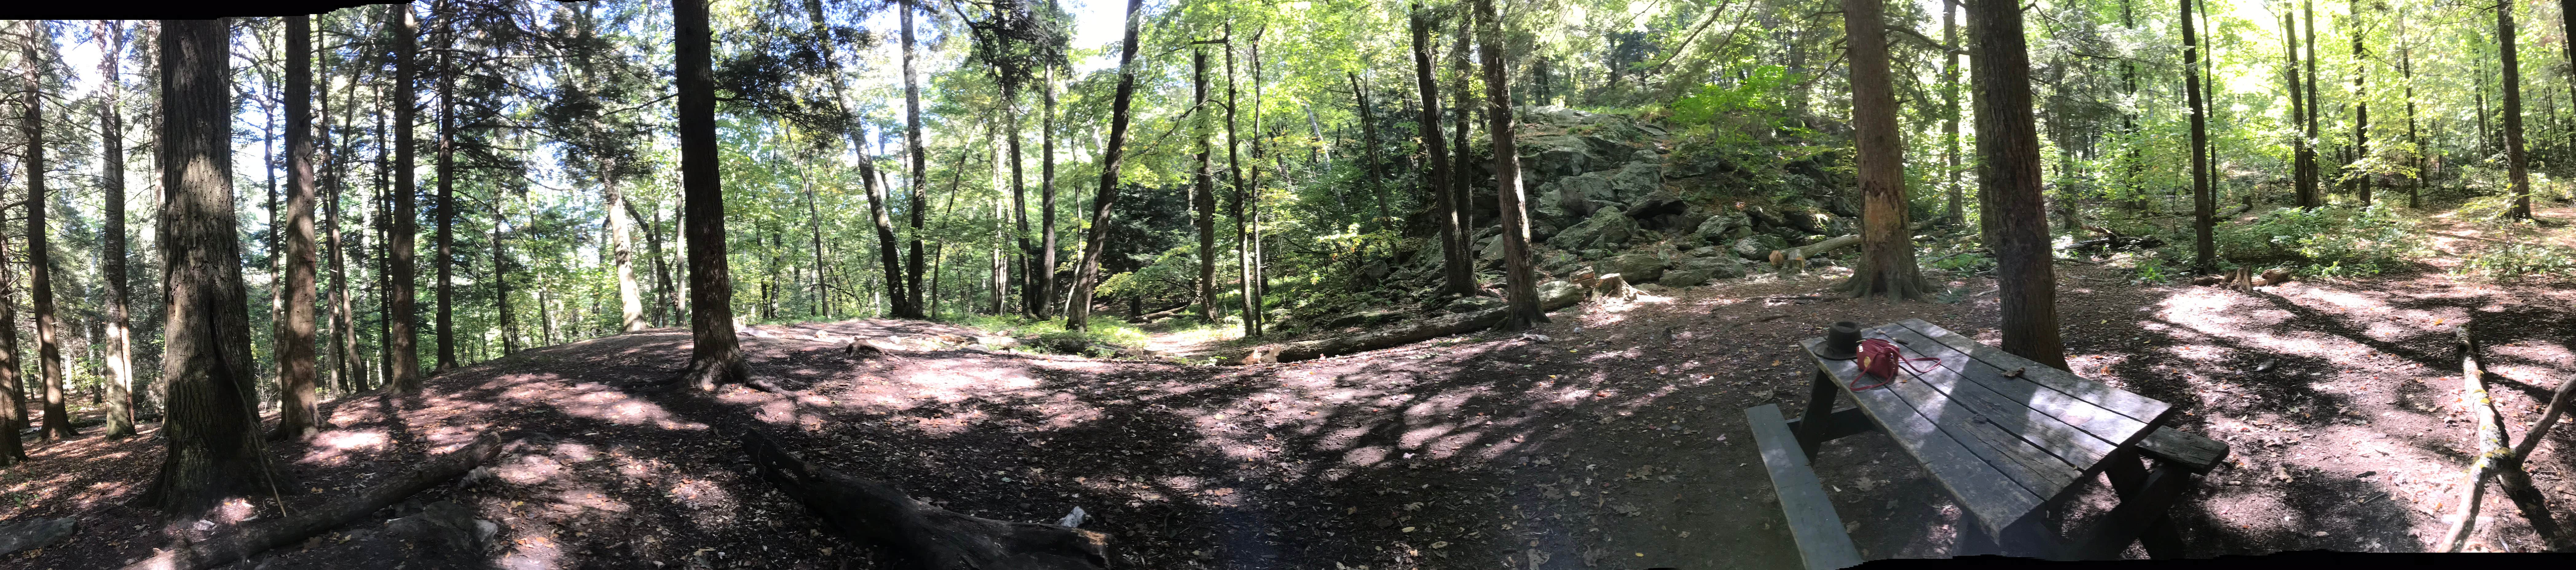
pixel 1618 444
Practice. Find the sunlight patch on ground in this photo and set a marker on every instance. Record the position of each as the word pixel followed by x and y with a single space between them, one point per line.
pixel 336 446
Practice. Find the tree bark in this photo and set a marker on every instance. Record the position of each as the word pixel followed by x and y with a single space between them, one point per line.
pixel 914 150
pixel 2315 168
pixel 921 536
pixel 119 352
pixel 1046 196
pixel 1520 290
pixel 49 352
pixel 297 417
pixel 1368 136
pixel 212 427
pixel 2204 205
pixel 1457 267
pixel 403 333
pixel 1462 165
pixel 1887 264
pixel 2016 221
pixel 1087 276
pixel 2302 180
pixel 886 245
pixel 2517 167
pixel 256 538
pixel 715 355
pixel 1203 190
pixel 2360 108
pixel 630 295
pixel 2414 139
pixel 1244 294
pixel 1950 107
pixel 444 242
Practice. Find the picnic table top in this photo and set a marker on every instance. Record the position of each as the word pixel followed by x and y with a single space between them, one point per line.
pixel 2002 434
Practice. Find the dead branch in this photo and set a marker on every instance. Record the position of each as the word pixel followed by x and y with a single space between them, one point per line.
pixel 923 536
pixel 257 538
pixel 2492 452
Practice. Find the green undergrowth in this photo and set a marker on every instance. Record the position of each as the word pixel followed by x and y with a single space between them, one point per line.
pixel 1104 337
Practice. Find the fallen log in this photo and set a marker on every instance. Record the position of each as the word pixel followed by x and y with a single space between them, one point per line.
pixel 922 536
pixel 2489 434
pixel 259 537
pixel 1149 317
pixel 35 533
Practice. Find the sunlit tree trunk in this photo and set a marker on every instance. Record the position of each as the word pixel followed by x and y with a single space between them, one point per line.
pixel 1046 195
pixel 919 179
pixel 1457 267
pixel 119 352
pixel 2360 108
pixel 403 334
pixel 2016 219
pixel 715 355
pixel 212 428
pixel 1203 190
pixel 2517 168
pixel 297 417
pixel 1462 163
pixel 1087 270
pixel 1520 291
pixel 1950 107
pixel 2204 204
pixel 2315 168
pixel 2302 159
pixel 1887 264
pixel 49 352
pixel 1368 137
pixel 1242 238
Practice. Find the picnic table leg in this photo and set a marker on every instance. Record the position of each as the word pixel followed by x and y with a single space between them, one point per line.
pixel 1971 539
pixel 2128 476
pixel 1820 403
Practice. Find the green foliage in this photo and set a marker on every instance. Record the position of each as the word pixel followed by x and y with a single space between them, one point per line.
pixel 2151 270
pixel 1755 93
pixel 2520 260
pixel 1964 262
pixel 2330 241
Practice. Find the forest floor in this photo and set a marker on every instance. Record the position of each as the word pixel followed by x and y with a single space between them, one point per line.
pixel 1618 443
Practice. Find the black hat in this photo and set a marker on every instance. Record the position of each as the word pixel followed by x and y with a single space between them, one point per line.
pixel 1842 341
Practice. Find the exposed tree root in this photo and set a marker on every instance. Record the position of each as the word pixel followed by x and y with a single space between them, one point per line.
pixel 925 537
pixel 256 538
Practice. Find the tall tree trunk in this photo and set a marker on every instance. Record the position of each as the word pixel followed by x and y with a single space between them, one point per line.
pixel 914 151
pixel 2517 168
pixel 352 376
pixel 1046 195
pixel 666 303
pixel 2015 220
pixel 403 335
pixel 1950 105
pixel 1457 267
pixel 49 352
pixel 1260 285
pixel 215 451
pixel 814 221
pixel 1203 191
pixel 715 356
pixel 1019 198
pixel 2204 204
pixel 2315 168
pixel 2302 155
pixel 13 412
pixel 886 248
pixel 1462 165
pixel 120 326
pixel 443 248
pixel 2414 139
pixel 1887 246
pixel 1087 269
pixel 621 240
pixel 2360 108
pixel 297 416
pixel 501 277
pixel 1368 137
pixel 1520 290
pixel 1242 194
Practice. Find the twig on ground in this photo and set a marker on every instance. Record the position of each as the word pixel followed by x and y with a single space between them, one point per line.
pixel 2492 452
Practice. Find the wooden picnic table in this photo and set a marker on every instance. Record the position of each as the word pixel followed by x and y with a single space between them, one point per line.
pixel 2003 435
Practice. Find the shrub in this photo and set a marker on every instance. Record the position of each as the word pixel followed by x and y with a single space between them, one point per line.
pixel 2521 260
pixel 2330 241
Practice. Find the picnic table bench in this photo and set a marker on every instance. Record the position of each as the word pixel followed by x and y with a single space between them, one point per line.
pixel 2004 436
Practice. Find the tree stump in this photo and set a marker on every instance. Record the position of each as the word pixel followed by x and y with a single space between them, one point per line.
pixel 921 536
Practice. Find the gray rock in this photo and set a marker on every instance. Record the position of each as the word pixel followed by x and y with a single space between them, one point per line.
pixel 35 533
pixel 1715 228
pixel 1473 304
pixel 1717 267
pixel 1759 246
pixel 1606 229
pixel 1683 278
pixel 1637 180
pixel 1709 251
pixel 1639 267
pixel 1558 294
pixel 1491 253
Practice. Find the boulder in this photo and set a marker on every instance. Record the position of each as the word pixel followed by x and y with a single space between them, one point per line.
pixel 1605 230
pixel 1636 180
pixel 1715 228
pixel 1759 246
pixel 1683 278
pixel 1720 267
pixel 1473 304
pixel 1639 267
pixel 1549 157
pixel 1491 253
pixel 1557 294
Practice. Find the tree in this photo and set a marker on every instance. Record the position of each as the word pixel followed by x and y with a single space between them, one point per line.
pixel 918 181
pixel 2008 183
pixel 1457 269
pixel 715 357
pixel 1887 246
pixel 2303 163
pixel 2360 107
pixel 2203 203
pixel 1087 270
pixel 442 247
pixel 297 416
pixel 119 355
pixel 1520 287
pixel 2517 167
pixel 212 427
pixel 1203 189
pixel 1950 104
pixel 402 331
pixel 49 352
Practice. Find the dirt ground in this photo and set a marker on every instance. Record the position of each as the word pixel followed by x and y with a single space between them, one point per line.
pixel 1619 442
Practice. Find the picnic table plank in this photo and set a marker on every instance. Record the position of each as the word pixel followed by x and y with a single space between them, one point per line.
pixel 1980 488
pixel 2036 470
pixel 1818 531
pixel 2141 408
pixel 2006 401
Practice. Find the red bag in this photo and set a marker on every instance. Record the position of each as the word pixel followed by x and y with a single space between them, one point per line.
pixel 1879 359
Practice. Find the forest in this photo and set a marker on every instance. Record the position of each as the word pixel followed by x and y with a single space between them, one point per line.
pixel 1282 284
